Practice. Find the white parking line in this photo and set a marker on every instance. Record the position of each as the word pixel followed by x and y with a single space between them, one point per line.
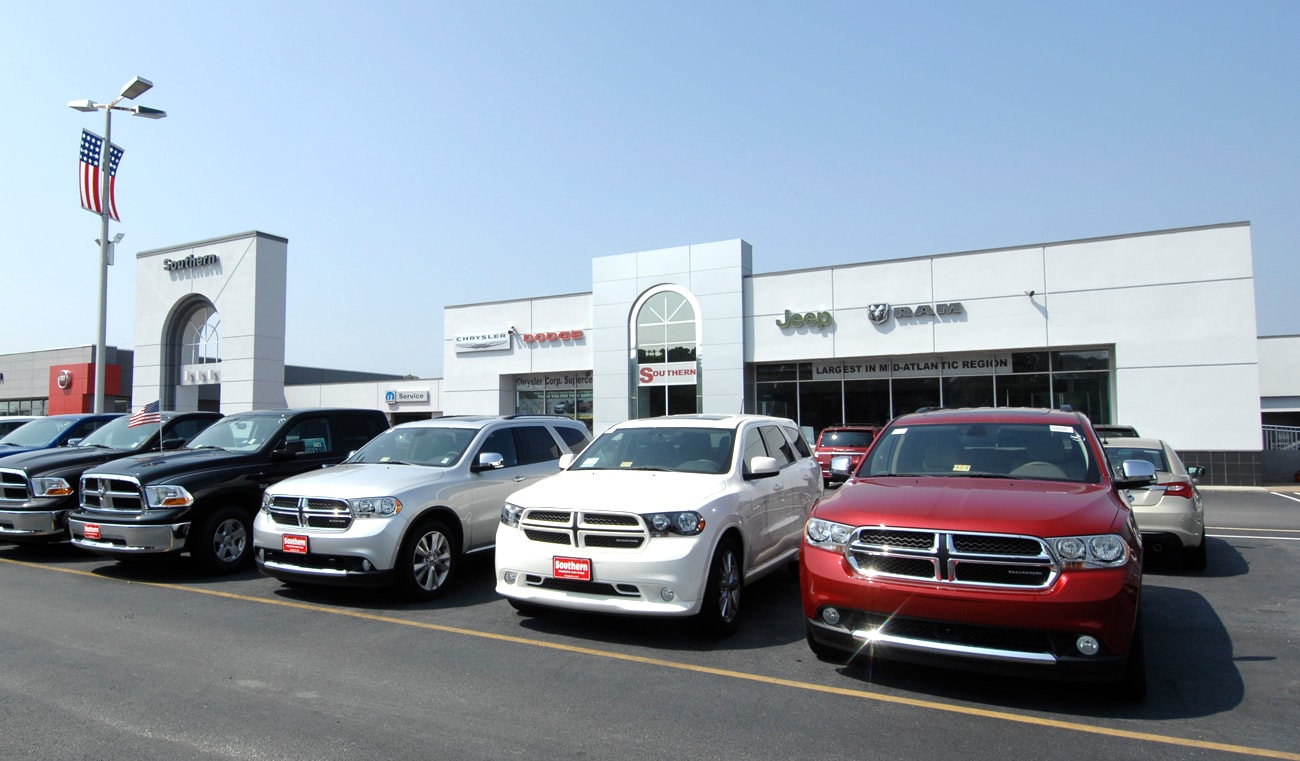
pixel 1256 536
pixel 1285 496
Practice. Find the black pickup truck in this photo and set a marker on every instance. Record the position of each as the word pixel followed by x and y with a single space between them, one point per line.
pixel 39 488
pixel 202 498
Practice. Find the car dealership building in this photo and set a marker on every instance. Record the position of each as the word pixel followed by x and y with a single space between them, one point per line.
pixel 1156 330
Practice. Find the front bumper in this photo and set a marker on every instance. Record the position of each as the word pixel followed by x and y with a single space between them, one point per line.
pixel 129 539
pixel 666 577
pixel 365 554
pixel 972 627
pixel 33 525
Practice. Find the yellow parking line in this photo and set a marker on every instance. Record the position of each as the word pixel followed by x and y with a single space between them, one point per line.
pixel 759 678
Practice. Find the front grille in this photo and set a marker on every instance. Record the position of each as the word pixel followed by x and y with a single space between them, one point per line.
pixel 310 512
pixel 584 587
pixel 111 493
pixel 992 560
pixel 13 486
pixel 596 529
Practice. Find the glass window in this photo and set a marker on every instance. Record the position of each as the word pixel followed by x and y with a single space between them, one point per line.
pixel 754 447
pixel 866 402
pixel 764 373
pixel 1096 359
pixel 576 439
pixel 777 446
pixel 911 394
pixel 799 442
pixel 821 403
pixel 1029 362
pixel 534 443
pixel 502 442
pixel 779 399
pixel 1029 390
pixel 968 391
pixel 1084 392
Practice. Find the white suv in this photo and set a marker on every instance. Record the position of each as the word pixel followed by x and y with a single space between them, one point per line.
pixel 664 516
pixel 404 508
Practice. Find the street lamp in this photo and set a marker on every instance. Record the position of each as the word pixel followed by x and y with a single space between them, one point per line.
pixel 130 91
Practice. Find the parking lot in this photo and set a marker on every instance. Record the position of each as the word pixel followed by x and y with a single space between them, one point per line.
pixel 150 661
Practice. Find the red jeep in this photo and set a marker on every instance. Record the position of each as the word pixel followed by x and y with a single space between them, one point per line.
pixel 841 440
pixel 991 540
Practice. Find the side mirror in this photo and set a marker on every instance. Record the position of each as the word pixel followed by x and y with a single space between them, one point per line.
pixel 566 460
pixel 289 449
pixel 1136 474
pixel 488 461
pixel 762 467
pixel 1195 471
pixel 172 443
pixel 841 468
pixel 72 442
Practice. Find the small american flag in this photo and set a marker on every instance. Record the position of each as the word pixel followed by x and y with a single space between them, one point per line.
pixel 147 414
pixel 92 147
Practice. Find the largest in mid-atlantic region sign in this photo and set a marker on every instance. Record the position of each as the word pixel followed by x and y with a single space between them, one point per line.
pixel 669 374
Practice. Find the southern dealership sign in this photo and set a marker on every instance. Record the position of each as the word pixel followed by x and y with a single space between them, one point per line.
pixel 191 262
pixel 494 341
pixel 666 374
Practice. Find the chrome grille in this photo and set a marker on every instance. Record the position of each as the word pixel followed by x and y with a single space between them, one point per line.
pixel 310 512
pixel 118 493
pixel 973 559
pixel 13 486
pixel 596 529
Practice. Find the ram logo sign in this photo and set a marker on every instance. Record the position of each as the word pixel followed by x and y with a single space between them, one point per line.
pixel 879 314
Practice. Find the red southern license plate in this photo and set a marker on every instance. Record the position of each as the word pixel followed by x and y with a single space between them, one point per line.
pixel 578 569
pixel 92 531
pixel 294 544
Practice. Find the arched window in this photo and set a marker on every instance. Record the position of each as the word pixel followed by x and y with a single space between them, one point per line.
pixel 201 337
pixel 665 335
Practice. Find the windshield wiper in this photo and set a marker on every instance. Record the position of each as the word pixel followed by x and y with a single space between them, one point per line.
pixel 647 467
pixel 210 446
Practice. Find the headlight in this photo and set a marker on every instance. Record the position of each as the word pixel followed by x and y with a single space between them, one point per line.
pixel 159 497
pixel 375 507
pixel 50 487
pixel 827 535
pixel 510 515
pixel 688 523
pixel 1100 551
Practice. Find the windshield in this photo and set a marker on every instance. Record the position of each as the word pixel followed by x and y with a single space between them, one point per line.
pixel 435 447
pixel 683 450
pixel 1003 450
pixel 119 434
pixel 238 434
pixel 37 433
pixel 857 439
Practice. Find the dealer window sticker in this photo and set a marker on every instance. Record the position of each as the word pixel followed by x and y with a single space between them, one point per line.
pixel 591 462
pixel 1062 429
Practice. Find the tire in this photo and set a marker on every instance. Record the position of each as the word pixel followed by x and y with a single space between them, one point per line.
pixel 824 653
pixel 223 542
pixel 1196 558
pixel 427 561
pixel 720 614
pixel 1133 685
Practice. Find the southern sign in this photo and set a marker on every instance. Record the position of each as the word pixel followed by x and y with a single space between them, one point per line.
pixel 666 374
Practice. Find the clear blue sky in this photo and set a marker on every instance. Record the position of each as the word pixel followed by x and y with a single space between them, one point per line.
pixel 421 154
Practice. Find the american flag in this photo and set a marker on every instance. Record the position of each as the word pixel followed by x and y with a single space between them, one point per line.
pixel 92 147
pixel 147 414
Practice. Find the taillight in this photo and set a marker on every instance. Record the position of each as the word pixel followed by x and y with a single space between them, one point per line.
pixel 1178 489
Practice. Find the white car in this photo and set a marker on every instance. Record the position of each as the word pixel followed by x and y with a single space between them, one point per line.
pixel 667 516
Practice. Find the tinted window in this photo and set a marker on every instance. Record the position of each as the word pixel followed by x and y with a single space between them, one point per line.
pixel 1117 456
pixel 575 438
pixel 314 433
pixel 800 445
pixel 534 443
pixel 353 431
pixel 777 446
pixel 502 442
pixel 860 439
pixel 188 428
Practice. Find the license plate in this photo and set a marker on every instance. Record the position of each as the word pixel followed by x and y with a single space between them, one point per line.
pixel 293 544
pixel 578 569
pixel 92 531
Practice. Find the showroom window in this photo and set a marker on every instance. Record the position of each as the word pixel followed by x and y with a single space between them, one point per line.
pixel 665 332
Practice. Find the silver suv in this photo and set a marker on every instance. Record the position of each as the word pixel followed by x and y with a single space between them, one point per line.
pixel 404 508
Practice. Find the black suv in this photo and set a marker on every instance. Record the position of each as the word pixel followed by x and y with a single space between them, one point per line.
pixel 202 498
pixel 39 488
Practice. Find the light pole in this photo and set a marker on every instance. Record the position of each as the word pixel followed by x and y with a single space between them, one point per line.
pixel 130 91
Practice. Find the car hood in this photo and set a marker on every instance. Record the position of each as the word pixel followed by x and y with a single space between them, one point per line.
pixel 8 451
pixel 636 491
pixel 39 461
pixel 1003 506
pixel 359 480
pixel 153 467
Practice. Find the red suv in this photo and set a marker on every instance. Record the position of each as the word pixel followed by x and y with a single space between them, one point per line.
pixel 841 440
pixel 991 540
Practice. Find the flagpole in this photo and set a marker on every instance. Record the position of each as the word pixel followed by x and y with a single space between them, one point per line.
pixel 105 169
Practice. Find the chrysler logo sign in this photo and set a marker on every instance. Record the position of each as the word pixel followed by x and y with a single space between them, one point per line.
pixel 482 341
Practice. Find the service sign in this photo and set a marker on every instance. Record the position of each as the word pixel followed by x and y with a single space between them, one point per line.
pixel 406 395
pixel 488 341
pixel 666 374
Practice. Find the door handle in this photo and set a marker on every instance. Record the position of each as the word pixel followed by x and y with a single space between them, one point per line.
pixel 518 479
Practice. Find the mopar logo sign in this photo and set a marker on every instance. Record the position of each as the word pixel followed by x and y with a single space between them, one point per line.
pixel 397 397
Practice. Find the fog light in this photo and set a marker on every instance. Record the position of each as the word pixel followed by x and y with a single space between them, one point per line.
pixel 1087 645
pixel 509 577
pixel 365 566
pixel 667 594
pixel 831 616
pixel 261 554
